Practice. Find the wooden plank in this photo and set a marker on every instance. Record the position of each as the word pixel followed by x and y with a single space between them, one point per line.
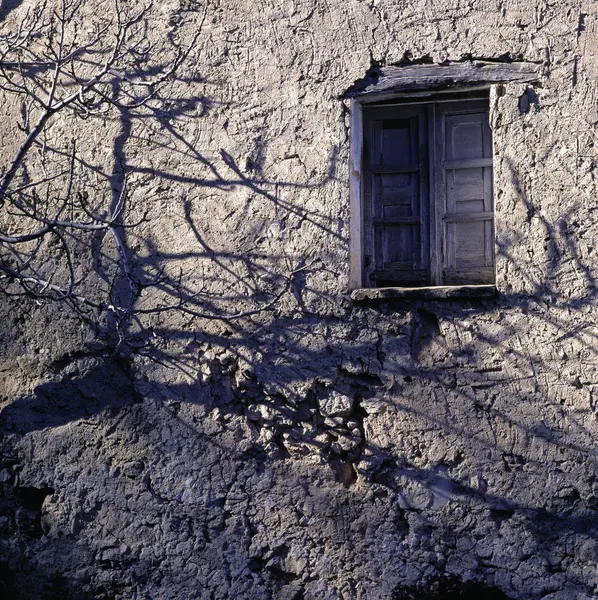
pixel 395 169
pixel 424 98
pixel 489 207
pixel 479 275
pixel 399 243
pixel 369 150
pixel 356 196
pixel 433 175
pixel 424 192
pixel 468 163
pixel 399 195
pixel 375 141
pixel 400 266
pixel 440 199
pixel 465 190
pixel 381 221
pixel 469 240
pixel 465 133
pixel 489 244
pixel 465 217
pixel 400 275
pixel 388 294
pixel 436 77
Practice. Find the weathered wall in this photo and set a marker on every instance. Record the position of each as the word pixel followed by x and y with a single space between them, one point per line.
pixel 322 449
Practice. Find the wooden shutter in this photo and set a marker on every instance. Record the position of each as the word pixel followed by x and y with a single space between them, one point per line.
pixel 396 196
pixel 464 211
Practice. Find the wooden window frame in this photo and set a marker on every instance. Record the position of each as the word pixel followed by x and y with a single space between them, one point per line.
pixel 416 83
pixel 430 108
pixel 359 231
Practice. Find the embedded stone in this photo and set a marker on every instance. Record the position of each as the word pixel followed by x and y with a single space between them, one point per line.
pixel 336 404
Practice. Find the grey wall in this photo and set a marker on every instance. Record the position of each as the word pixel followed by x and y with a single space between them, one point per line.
pixel 321 449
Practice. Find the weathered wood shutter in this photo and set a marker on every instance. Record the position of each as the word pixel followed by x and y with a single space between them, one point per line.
pixel 396 196
pixel 463 190
pixel 428 209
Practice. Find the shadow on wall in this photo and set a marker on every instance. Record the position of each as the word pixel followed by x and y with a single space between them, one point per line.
pixel 287 387
pixel 103 261
pixel 300 400
pixel 447 588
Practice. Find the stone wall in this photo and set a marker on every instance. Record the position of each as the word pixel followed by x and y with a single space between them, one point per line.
pixel 322 449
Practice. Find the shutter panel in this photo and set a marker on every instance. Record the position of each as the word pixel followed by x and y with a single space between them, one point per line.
pixel 396 194
pixel 464 193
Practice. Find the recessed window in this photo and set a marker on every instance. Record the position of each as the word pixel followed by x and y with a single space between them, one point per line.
pixel 427 202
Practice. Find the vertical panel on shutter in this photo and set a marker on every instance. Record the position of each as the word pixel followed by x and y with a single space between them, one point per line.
pixel 464 193
pixel 396 196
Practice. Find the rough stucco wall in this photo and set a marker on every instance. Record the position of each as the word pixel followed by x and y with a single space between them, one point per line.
pixel 323 450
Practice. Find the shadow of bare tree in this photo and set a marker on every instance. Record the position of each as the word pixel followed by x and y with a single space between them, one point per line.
pixel 181 438
pixel 262 405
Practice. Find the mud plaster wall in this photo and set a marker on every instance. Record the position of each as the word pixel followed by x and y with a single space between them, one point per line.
pixel 321 450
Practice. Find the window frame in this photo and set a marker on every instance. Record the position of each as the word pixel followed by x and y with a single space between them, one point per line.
pixel 359 234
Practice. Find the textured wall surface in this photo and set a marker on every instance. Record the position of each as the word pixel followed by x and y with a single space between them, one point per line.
pixel 322 449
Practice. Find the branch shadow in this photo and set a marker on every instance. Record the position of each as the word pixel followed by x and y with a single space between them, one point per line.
pixel 322 393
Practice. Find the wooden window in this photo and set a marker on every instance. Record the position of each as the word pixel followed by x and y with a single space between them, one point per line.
pixel 427 189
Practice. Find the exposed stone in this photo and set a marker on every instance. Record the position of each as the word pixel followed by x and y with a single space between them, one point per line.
pixel 336 404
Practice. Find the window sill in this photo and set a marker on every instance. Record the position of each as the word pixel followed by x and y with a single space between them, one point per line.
pixel 424 293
